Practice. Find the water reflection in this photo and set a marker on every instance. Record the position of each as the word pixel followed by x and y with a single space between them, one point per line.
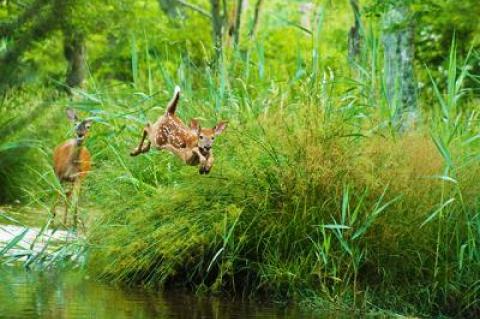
pixel 70 295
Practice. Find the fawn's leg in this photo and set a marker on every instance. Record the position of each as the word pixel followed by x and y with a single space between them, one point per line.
pixel 207 166
pixel 140 148
pixel 146 148
pixel 201 158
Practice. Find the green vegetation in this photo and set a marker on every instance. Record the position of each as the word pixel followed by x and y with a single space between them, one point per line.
pixel 319 191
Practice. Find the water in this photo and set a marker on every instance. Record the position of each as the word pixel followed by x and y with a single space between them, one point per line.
pixel 26 294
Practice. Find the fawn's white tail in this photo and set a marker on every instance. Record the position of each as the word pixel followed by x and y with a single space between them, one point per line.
pixel 172 105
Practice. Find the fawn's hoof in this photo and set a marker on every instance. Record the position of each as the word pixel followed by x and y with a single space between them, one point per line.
pixel 135 152
pixel 204 170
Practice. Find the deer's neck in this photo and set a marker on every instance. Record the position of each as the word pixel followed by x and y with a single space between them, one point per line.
pixel 77 146
pixel 79 141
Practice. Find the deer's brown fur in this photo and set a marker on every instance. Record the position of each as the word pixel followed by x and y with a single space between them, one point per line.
pixel 71 160
pixel 191 144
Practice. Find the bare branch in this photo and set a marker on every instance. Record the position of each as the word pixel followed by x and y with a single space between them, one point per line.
pixel 195 8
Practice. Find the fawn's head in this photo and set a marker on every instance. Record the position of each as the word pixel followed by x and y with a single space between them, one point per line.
pixel 206 136
pixel 81 126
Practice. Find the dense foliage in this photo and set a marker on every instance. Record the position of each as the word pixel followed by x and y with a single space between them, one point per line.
pixel 315 194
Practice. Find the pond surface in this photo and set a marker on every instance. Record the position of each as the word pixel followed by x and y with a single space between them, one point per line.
pixel 29 294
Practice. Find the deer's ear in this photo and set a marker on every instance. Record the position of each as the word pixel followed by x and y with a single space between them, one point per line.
pixel 220 127
pixel 72 116
pixel 194 125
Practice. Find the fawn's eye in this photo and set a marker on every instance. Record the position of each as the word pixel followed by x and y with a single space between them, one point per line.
pixel 213 138
pixel 201 136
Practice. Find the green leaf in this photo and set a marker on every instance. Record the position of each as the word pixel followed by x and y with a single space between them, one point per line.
pixel 442 148
pixel 436 212
pixel 13 242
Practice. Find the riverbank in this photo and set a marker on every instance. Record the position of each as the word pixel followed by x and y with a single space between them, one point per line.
pixel 39 247
pixel 32 240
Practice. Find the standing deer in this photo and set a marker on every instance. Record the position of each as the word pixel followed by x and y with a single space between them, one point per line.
pixel 71 161
pixel 191 144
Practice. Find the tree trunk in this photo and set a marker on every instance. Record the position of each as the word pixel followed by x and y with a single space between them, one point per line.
pixel 217 29
pixel 75 53
pixel 354 38
pixel 29 28
pixel 399 51
pixel 256 17
pixel 238 19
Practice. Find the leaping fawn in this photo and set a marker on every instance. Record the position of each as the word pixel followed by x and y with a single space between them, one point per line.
pixel 191 144
pixel 71 161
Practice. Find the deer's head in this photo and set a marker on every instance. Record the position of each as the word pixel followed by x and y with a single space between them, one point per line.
pixel 206 136
pixel 81 126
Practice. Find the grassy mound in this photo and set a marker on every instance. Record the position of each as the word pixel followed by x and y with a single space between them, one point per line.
pixel 300 203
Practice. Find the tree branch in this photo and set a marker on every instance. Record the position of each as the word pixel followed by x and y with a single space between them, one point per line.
pixel 195 8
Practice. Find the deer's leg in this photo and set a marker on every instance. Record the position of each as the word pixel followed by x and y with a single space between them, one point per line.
pixel 76 198
pixel 140 148
pixel 68 197
pixel 201 158
pixel 54 206
pixel 207 166
pixel 146 148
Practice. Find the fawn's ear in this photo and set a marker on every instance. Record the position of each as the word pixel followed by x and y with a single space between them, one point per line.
pixel 220 127
pixel 194 125
pixel 72 116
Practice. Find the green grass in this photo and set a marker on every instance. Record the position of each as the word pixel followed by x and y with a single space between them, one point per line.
pixel 313 195
pixel 310 197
